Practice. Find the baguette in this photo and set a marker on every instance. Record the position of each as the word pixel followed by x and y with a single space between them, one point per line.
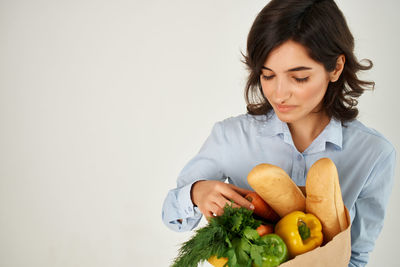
pixel 276 188
pixel 324 197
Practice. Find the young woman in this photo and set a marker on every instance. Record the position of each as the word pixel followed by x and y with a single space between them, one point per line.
pixel 301 100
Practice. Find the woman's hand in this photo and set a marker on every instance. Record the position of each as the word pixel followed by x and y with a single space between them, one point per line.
pixel 211 196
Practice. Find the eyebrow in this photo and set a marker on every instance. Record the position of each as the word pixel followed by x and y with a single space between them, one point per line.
pixel 293 69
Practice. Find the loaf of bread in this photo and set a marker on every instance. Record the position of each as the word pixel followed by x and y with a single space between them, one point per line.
pixel 275 186
pixel 324 197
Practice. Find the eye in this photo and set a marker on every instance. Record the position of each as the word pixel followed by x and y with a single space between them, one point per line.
pixel 301 80
pixel 267 77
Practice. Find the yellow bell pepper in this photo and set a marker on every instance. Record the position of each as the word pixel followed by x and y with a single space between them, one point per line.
pixel 301 232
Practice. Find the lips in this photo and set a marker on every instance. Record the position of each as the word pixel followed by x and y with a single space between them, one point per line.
pixel 285 108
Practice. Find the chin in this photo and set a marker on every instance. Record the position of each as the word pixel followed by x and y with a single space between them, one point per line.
pixel 287 117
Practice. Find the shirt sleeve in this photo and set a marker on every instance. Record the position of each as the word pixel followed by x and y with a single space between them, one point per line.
pixel 370 210
pixel 178 211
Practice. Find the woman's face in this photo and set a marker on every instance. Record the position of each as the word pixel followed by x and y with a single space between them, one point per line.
pixel 293 83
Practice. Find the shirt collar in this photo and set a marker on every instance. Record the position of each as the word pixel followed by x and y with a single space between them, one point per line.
pixel 273 125
pixel 331 134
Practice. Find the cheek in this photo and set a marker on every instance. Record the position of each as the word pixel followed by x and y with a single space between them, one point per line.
pixel 266 89
pixel 269 89
pixel 313 92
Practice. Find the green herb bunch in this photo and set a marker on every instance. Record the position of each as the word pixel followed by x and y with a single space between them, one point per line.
pixel 231 235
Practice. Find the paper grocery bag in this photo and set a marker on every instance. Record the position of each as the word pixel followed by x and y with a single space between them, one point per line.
pixel 335 253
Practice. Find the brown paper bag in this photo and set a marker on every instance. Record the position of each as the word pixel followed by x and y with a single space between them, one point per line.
pixel 335 253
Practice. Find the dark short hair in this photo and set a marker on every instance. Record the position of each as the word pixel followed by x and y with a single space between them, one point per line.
pixel 321 28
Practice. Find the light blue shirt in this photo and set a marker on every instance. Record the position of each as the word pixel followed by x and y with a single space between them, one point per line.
pixel 365 161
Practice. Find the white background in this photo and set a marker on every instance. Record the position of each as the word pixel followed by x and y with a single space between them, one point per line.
pixel 102 103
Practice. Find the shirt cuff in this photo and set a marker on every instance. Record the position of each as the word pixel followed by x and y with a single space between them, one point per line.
pixel 188 208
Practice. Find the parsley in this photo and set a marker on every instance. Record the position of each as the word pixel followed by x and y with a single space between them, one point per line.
pixel 231 235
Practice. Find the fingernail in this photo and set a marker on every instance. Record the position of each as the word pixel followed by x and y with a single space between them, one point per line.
pixel 252 206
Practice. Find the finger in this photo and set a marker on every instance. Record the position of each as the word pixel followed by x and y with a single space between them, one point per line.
pixel 208 215
pixel 212 210
pixel 222 202
pixel 240 190
pixel 238 199
pixel 217 210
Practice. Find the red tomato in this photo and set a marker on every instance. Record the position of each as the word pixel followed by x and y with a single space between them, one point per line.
pixel 261 208
pixel 265 229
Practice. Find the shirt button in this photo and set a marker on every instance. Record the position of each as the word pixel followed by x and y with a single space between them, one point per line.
pixel 299 157
pixel 190 208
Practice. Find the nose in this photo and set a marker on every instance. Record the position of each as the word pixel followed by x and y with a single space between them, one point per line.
pixel 282 91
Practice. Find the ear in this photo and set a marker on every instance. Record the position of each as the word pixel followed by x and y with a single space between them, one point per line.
pixel 335 74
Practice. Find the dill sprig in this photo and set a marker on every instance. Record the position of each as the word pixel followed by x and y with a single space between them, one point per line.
pixel 219 237
pixel 207 241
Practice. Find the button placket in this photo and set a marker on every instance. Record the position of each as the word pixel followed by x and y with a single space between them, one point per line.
pixel 298 169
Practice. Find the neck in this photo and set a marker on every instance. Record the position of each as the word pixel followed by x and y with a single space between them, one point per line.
pixel 306 130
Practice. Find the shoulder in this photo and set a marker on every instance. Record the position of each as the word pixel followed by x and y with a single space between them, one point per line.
pixel 241 126
pixel 244 122
pixel 356 134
